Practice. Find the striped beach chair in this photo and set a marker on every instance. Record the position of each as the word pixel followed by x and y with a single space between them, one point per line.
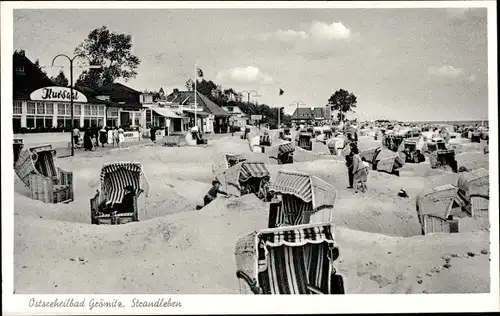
pixel 245 178
pixel 289 260
pixel 37 170
pixel 299 196
pixel 434 208
pixel 304 140
pixel 114 179
pixel 281 153
pixel 370 156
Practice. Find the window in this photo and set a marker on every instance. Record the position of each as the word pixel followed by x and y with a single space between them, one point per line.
pixel 76 123
pixel 100 109
pixel 77 108
pixel 93 110
pixel 40 108
pixel 49 108
pixel 31 107
pixel 100 121
pixel 39 121
pixel 60 121
pixel 19 70
pixel 30 122
pixel 17 107
pixel 16 124
pixel 61 109
pixel 86 122
pixel 86 110
pixel 113 112
pixel 68 109
pixel 230 109
pixel 48 122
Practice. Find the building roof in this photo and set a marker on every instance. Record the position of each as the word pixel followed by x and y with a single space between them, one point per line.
pixel 120 95
pixel 30 79
pixel 303 114
pixel 187 97
pixel 318 113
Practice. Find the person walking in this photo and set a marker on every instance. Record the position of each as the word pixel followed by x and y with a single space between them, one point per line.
pixel 152 134
pixel 103 136
pixel 87 141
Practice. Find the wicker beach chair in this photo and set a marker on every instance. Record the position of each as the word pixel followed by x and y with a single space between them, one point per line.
pixel 370 156
pixel 281 153
pixel 245 178
pixel 289 260
pixel 36 168
pixel 434 207
pixel 473 192
pixel 304 140
pixel 299 198
pixel 114 179
pixel 17 145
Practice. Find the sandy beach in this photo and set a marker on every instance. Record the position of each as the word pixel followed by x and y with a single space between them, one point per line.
pixel 175 248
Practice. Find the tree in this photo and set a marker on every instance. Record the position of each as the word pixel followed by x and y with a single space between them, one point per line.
pixel 342 101
pixel 189 85
pixel 60 80
pixel 37 65
pixel 110 50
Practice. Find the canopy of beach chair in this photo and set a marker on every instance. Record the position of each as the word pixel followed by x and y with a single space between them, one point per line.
pixel 309 189
pixel 115 177
pixel 436 201
pixel 231 178
pixel 474 182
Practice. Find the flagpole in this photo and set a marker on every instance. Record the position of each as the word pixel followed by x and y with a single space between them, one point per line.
pixel 195 102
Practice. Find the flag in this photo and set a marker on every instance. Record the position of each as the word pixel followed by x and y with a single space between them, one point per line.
pixel 200 72
pixel 281 92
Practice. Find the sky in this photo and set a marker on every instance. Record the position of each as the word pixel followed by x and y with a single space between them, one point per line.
pixel 405 64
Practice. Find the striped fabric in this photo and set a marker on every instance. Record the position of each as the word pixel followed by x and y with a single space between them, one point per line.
pixel 286 148
pixel 304 140
pixel 371 154
pixel 253 170
pixel 116 177
pixel 293 183
pixel 294 211
pixel 291 260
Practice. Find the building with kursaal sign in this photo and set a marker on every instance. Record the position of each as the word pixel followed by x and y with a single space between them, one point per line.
pixel 40 106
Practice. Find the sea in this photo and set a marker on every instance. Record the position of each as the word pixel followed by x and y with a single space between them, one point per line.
pixel 462 123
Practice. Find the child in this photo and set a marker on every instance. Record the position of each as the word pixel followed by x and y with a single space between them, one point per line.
pixel 212 193
pixel 362 183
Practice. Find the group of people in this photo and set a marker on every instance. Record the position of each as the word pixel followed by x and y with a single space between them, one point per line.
pixel 96 137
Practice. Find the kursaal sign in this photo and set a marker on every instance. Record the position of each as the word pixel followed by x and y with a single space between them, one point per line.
pixel 57 94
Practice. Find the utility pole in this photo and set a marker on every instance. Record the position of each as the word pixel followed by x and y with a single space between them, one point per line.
pixel 248 95
pixel 71 93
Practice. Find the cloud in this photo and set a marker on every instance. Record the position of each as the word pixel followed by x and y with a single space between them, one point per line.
pixel 317 30
pixel 446 71
pixel 248 74
pixel 334 31
pixel 472 78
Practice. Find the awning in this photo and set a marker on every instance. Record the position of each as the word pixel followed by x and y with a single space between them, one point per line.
pixel 253 170
pixel 166 112
pixel 198 113
pixel 286 148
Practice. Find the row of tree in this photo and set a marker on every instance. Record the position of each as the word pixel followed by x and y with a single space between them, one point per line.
pixel 113 52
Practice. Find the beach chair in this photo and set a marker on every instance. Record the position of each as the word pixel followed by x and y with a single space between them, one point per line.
pixel 264 140
pixel 434 208
pixel 172 140
pixel 304 141
pixel 114 178
pixel 299 198
pixel 389 162
pixel 409 146
pixel 245 177
pixel 17 145
pixel 281 153
pixel 37 170
pixel 289 260
pixel 475 137
pixel 370 156
pixel 192 140
pixel 439 156
pixel 473 192
pixel 336 145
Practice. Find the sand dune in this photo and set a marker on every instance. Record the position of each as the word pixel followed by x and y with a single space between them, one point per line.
pixel 177 249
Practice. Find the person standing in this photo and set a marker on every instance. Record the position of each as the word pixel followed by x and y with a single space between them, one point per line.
pixel 152 133
pixel 349 160
pixel 87 140
pixel 121 136
pixel 116 139
pixel 103 136
pixel 76 136
pixel 110 136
